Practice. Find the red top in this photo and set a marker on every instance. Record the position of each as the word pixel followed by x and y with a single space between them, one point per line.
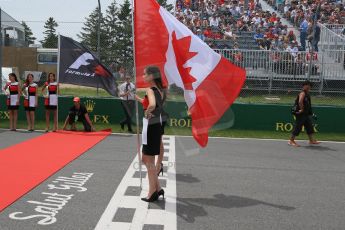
pixel 32 90
pixel 315 57
pixel 145 102
pixel 13 89
pixel 51 88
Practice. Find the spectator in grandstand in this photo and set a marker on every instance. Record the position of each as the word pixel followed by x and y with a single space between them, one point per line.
pixel 273 18
pixel 189 15
pixel 277 43
pixel 316 37
pixel 303 32
pixel 291 37
pixel 30 101
pixel 237 56
pixel 303 113
pixel 258 35
pixel 51 100
pixel 200 35
pixel 256 19
pixel 228 34
pixel 78 112
pixel 235 11
pixel 208 32
pixel 13 92
pixel 214 22
pixel 196 20
pixel 311 58
pixel 258 5
pixel 265 44
pixel 293 49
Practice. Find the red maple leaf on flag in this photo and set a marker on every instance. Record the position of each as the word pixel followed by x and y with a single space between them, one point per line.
pixel 182 54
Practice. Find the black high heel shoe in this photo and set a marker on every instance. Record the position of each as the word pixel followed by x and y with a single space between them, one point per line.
pixel 161 170
pixel 161 193
pixel 152 198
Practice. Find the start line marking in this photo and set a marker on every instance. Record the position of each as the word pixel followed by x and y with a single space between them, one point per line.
pixel 136 214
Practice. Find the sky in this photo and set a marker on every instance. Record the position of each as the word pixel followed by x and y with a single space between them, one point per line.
pixel 70 14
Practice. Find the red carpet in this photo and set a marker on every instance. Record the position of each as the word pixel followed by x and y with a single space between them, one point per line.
pixel 26 165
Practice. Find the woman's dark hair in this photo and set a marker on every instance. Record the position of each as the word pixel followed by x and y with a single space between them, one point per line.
pixel 27 78
pixel 13 75
pixel 157 78
pixel 53 75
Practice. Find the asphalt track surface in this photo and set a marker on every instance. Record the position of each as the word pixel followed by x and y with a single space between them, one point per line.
pixel 232 184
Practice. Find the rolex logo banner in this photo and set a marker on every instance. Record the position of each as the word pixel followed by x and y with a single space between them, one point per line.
pixel 78 66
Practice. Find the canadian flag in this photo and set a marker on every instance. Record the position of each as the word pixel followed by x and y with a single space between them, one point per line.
pixel 211 83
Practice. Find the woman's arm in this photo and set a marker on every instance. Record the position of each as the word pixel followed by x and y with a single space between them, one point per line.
pixel 44 87
pixel 139 98
pixel 300 102
pixel 152 102
pixel 6 86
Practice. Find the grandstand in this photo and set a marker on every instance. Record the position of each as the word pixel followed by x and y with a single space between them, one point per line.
pixel 263 37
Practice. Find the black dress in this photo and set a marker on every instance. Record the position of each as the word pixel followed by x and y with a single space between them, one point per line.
pixel 152 128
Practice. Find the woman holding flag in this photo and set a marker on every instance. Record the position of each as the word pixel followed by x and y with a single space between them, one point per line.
pixel 51 99
pixel 152 129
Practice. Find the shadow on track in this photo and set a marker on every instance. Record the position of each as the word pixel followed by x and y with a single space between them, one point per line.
pixel 190 208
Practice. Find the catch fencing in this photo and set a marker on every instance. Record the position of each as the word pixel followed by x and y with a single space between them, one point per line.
pixel 283 71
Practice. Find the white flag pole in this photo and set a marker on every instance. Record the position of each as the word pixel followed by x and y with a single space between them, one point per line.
pixel 136 101
pixel 58 80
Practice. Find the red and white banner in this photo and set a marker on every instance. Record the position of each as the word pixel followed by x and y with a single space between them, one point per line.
pixel 211 83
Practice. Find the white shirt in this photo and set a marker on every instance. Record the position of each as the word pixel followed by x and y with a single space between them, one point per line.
pixel 228 34
pixel 293 51
pixel 214 22
pixel 131 89
pixel 256 20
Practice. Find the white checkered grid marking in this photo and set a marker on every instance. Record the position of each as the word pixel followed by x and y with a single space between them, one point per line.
pixel 160 214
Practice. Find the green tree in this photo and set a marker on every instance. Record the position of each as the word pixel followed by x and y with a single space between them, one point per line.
pixel 88 35
pixel 50 37
pixel 112 25
pixel 29 38
pixel 163 3
pixel 124 38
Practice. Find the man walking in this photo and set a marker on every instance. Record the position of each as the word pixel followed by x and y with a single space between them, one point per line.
pixel 303 115
pixel 127 90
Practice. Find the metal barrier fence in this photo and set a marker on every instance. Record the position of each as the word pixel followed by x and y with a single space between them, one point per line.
pixel 282 71
pixel 330 39
pixel 336 28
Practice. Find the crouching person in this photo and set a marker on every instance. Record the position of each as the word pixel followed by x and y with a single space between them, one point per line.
pixel 79 113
